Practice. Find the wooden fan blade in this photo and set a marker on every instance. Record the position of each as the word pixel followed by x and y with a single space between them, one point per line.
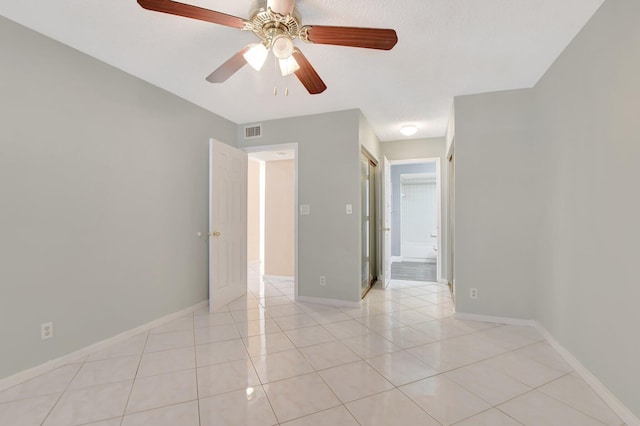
pixel 226 70
pixel 194 12
pixel 283 7
pixel 369 38
pixel 307 75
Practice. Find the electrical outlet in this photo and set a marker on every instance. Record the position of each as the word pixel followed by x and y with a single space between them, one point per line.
pixel 323 280
pixel 46 330
pixel 473 293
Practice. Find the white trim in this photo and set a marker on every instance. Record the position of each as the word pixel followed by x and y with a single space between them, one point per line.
pixel 262 172
pixel 331 302
pixel 493 319
pixel 277 277
pixel 614 403
pixel 31 373
pixel 396 259
pixel 609 398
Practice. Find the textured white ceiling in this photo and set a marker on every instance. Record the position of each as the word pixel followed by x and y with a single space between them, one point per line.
pixel 445 48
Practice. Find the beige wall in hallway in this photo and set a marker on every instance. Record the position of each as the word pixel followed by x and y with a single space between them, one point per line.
pixel 279 218
pixel 253 212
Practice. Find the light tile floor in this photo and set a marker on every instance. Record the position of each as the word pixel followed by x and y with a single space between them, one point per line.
pixel 399 359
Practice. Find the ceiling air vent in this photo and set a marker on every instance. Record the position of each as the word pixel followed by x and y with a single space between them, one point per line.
pixel 253 132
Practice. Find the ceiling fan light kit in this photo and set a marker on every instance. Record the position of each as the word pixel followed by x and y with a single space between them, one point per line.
pixel 276 23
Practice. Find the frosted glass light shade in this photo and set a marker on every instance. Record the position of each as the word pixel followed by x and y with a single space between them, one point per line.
pixel 288 66
pixel 256 56
pixel 282 47
pixel 408 130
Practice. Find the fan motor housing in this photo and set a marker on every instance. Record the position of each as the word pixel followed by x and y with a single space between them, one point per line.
pixel 266 24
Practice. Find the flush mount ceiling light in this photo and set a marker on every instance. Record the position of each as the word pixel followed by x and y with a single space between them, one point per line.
pixel 409 129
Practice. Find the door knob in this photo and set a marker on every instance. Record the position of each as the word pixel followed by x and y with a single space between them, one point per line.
pixel 215 234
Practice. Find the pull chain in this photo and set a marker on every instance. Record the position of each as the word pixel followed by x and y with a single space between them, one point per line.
pixel 275 76
pixel 275 79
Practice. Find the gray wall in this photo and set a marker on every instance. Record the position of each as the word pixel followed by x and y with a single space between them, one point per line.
pixel 546 200
pixel 498 199
pixel 103 185
pixel 396 199
pixel 589 102
pixel 328 179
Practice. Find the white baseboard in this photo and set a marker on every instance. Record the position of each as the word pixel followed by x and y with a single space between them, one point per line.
pixel 277 278
pixel 614 403
pixel 31 373
pixel 493 319
pixel 330 302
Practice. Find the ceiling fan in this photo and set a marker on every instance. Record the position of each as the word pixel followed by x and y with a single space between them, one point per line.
pixel 277 24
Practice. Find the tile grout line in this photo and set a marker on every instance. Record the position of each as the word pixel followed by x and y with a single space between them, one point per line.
pixel 484 411
pixel 259 379
pixel 195 364
pixel 62 393
pixel 135 376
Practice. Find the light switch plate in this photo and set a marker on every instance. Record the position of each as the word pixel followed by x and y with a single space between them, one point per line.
pixel 349 208
pixel 305 209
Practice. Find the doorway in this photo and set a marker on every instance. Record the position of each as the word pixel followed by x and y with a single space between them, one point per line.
pixel 369 238
pixel 272 220
pixel 415 220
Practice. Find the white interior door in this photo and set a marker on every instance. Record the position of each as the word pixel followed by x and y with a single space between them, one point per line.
pixel 386 220
pixel 227 224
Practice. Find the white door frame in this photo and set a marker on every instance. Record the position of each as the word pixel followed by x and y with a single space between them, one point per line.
pixel 281 147
pixel 385 221
pixel 451 204
pixel 435 160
